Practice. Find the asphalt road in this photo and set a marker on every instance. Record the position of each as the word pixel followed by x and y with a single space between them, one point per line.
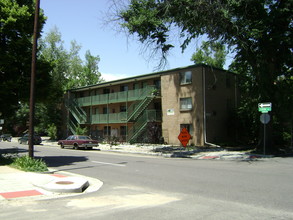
pixel 145 187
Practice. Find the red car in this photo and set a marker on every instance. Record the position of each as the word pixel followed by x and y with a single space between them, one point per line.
pixel 78 141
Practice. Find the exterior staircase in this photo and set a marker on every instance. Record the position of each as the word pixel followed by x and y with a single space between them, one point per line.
pixel 138 114
pixel 141 124
pixel 78 114
pixel 72 126
pixel 138 107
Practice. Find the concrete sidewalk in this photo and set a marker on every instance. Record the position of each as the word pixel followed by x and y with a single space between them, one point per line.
pixel 16 184
pixel 200 153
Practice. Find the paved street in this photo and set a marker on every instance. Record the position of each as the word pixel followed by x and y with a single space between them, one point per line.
pixel 148 187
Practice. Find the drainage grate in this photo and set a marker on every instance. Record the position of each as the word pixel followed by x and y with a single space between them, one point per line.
pixel 64 182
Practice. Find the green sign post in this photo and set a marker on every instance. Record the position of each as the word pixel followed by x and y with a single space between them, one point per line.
pixel 265 107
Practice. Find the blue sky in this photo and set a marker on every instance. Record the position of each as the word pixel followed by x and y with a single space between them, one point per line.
pixel 121 56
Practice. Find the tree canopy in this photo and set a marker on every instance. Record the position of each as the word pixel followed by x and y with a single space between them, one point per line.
pixel 16 30
pixel 258 32
pixel 210 53
pixel 68 69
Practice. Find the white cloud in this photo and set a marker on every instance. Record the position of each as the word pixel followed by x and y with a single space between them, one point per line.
pixel 110 76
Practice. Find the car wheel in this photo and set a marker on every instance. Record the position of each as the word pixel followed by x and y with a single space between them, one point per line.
pixel 75 146
pixel 62 145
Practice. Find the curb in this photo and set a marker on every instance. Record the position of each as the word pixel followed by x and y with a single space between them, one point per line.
pixel 63 184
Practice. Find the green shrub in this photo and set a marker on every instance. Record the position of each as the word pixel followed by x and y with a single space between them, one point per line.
pixel 29 164
pixel 52 131
pixel 81 131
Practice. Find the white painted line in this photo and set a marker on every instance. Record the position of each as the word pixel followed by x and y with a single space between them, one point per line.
pixel 112 164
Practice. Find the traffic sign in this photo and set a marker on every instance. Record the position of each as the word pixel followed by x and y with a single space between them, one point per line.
pixel 265 107
pixel 184 137
pixel 265 118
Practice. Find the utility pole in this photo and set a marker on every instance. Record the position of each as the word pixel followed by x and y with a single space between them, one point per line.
pixel 33 76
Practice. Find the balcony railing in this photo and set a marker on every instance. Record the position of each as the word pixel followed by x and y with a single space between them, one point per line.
pixel 130 95
pixel 109 118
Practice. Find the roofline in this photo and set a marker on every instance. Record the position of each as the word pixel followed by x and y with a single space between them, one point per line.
pixel 143 76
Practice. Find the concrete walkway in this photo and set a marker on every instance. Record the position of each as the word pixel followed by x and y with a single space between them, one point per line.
pixel 16 184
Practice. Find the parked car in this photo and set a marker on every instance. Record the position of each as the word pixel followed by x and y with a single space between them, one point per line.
pixel 5 137
pixel 78 141
pixel 25 139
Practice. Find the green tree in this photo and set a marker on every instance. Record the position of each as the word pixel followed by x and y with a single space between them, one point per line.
pixel 68 69
pixel 260 33
pixel 91 69
pixel 210 53
pixel 82 73
pixel 53 51
pixel 16 30
pixel 74 71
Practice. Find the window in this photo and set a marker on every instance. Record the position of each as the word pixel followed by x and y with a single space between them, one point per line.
pixel 107 130
pixel 135 86
pixel 105 110
pixel 122 108
pixel 122 130
pixel 123 88
pixel 106 91
pixel 185 77
pixel 185 104
pixel 143 84
pixel 157 83
pixel 189 128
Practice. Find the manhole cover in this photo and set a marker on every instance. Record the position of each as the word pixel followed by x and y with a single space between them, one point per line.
pixel 64 182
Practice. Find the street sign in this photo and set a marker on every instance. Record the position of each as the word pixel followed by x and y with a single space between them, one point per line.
pixel 184 137
pixel 265 118
pixel 265 107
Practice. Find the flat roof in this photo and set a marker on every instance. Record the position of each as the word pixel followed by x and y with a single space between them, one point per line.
pixel 140 77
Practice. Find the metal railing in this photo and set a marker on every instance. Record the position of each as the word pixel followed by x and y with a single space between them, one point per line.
pixel 141 123
pixel 140 104
pixel 116 97
pixel 72 127
pixel 109 118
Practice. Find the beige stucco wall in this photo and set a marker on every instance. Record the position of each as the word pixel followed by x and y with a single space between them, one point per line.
pixel 172 91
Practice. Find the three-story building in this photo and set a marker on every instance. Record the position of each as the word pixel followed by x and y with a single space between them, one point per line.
pixel 200 98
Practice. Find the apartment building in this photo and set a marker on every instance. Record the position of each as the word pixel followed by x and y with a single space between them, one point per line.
pixel 155 107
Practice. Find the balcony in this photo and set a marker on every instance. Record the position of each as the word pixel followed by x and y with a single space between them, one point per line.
pixel 109 118
pixel 126 96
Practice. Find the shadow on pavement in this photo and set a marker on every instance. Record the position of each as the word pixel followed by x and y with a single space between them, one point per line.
pixel 13 150
pixel 57 161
